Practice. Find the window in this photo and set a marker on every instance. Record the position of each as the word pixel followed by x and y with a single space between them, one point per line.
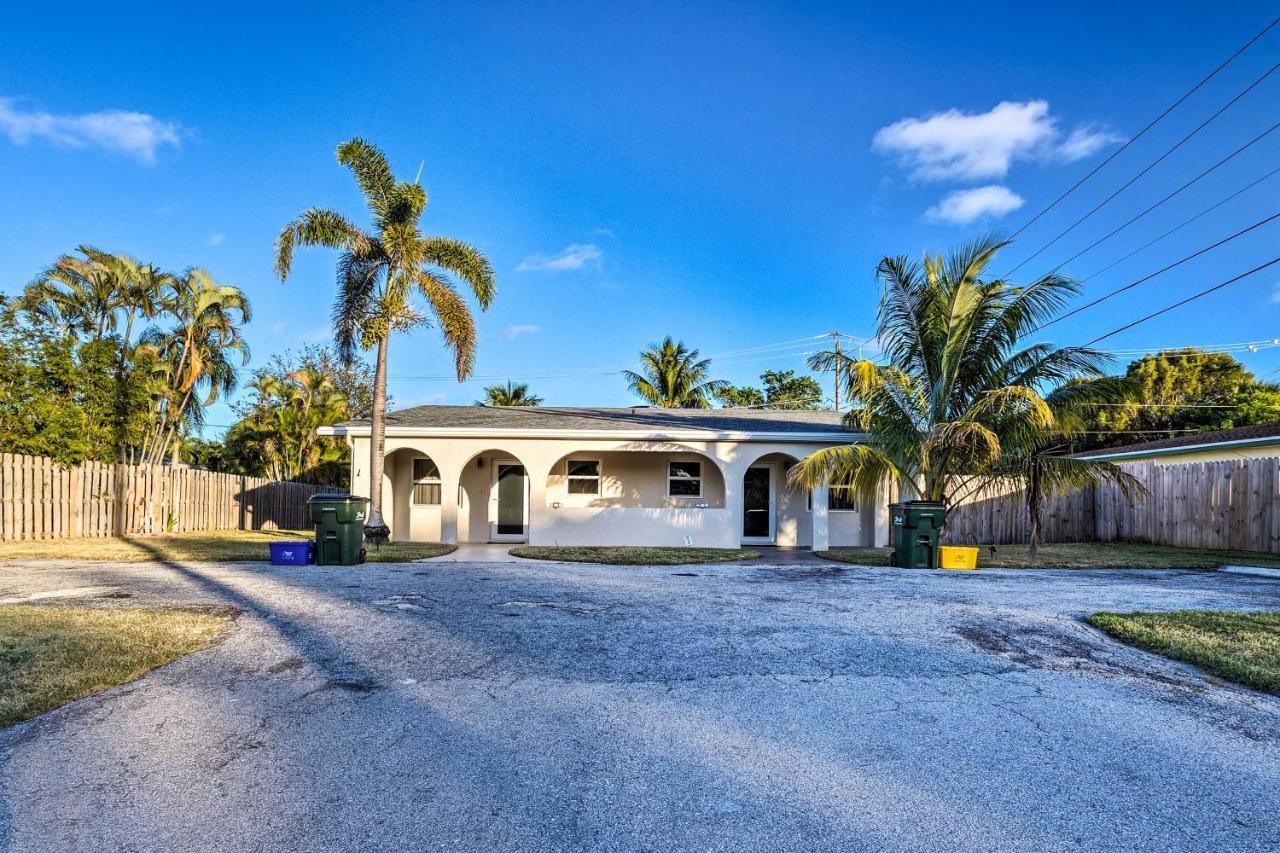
pixel 842 500
pixel 426 482
pixel 583 476
pixel 684 479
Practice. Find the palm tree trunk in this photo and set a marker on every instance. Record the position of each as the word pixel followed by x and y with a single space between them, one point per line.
pixel 378 440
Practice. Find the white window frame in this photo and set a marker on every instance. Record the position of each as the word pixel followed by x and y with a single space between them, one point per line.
pixel 831 507
pixel 697 479
pixel 569 478
pixel 424 481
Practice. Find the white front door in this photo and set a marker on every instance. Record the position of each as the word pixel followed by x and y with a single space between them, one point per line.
pixel 759 524
pixel 509 503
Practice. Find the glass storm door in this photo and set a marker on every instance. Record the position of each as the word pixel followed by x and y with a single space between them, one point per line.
pixel 510 518
pixel 757 504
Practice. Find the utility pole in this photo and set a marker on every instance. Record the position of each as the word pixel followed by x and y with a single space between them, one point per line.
pixel 836 336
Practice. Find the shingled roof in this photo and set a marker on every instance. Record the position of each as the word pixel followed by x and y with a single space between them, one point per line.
pixel 1258 433
pixel 610 419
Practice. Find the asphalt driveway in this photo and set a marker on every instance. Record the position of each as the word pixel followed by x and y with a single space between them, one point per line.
pixel 457 706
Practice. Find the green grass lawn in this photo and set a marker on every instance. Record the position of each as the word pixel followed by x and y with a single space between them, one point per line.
pixel 53 655
pixel 1240 647
pixel 627 556
pixel 211 545
pixel 1082 555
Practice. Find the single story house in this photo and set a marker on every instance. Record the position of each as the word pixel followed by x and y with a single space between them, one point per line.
pixel 1249 442
pixel 610 476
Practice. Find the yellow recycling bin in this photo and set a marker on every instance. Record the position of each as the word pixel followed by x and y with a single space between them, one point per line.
pixel 957 558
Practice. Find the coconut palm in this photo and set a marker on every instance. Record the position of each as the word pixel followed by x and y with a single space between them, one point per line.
pixel 673 377
pixel 511 394
pixel 958 378
pixel 379 271
pixel 197 354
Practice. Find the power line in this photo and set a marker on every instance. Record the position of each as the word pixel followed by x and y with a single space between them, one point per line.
pixel 1180 303
pixel 1160 271
pixel 1143 132
pixel 1147 168
pixel 1179 227
pixel 1113 232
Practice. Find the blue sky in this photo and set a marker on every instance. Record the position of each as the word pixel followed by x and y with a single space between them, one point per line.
pixel 725 173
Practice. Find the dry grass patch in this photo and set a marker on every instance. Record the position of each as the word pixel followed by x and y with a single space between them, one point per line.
pixel 1240 647
pixel 240 546
pixel 1082 555
pixel 53 655
pixel 628 556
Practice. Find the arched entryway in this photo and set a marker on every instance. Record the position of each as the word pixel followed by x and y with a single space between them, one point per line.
pixel 773 511
pixel 493 498
pixel 412 494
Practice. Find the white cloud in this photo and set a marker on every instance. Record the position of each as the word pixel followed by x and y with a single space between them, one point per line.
pixel 965 206
pixel 136 134
pixel 1275 294
pixel 573 257
pixel 216 239
pixel 1085 141
pixel 955 145
pixel 519 329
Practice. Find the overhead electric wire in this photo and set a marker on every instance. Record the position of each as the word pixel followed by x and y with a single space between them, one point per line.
pixel 1180 303
pixel 1150 124
pixel 1113 232
pixel 1179 227
pixel 1160 271
pixel 1147 168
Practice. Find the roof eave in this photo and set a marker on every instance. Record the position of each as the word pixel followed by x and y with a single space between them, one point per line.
pixel 361 430
pixel 1186 448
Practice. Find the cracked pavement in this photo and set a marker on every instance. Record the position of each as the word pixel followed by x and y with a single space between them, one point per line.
pixel 574 707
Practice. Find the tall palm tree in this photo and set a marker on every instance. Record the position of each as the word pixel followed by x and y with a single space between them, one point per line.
pixel 84 294
pixel 196 353
pixel 511 394
pixel 673 377
pixel 959 379
pixel 378 273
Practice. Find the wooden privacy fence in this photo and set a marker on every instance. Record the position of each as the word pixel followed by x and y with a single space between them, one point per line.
pixel 1231 504
pixel 40 499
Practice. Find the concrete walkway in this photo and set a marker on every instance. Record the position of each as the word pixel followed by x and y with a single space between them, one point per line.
pixel 536 706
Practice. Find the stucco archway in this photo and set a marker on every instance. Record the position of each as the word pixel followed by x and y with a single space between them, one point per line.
pixel 494 498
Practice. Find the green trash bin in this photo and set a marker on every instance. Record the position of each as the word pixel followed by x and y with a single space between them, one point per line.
pixel 339 521
pixel 917 530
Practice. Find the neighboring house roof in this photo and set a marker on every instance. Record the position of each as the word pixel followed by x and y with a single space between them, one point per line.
pixel 1221 439
pixel 633 421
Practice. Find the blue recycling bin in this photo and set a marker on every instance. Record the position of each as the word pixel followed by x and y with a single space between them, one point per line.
pixel 290 553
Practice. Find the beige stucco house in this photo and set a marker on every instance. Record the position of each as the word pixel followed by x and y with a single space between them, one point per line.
pixel 1249 442
pixel 610 476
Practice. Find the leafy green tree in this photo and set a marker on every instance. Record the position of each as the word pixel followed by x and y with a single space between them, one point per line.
pixel 740 397
pixel 510 394
pixel 783 389
pixel 673 377
pixel 958 378
pixel 58 397
pixel 1174 391
pixel 379 271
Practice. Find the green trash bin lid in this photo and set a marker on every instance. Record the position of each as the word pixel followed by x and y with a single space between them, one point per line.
pixel 335 496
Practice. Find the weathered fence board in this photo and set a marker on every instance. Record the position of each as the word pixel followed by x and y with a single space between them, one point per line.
pixel 1227 504
pixel 40 499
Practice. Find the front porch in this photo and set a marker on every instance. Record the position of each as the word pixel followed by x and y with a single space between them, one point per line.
pixel 675 496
